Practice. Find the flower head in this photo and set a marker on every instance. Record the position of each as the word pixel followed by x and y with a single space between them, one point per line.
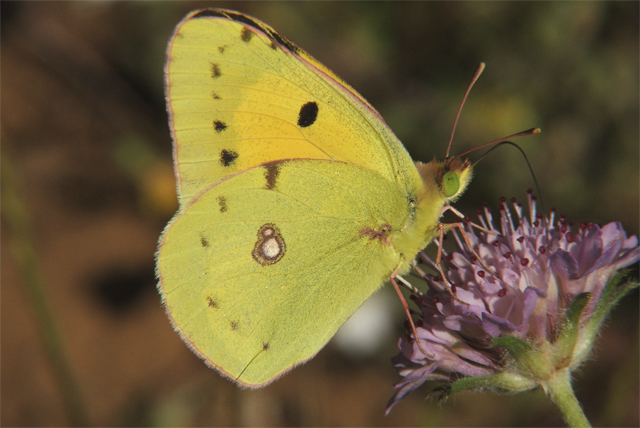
pixel 529 308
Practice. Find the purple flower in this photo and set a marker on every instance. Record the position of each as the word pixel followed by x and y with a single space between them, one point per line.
pixel 532 307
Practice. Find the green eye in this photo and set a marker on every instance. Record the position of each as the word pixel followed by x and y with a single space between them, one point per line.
pixel 450 184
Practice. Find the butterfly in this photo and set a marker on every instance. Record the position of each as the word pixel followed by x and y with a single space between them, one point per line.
pixel 297 201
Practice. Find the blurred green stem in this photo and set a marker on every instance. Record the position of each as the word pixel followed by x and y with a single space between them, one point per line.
pixel 25 255
pixel 559 390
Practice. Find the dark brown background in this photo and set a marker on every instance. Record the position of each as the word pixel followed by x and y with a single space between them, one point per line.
pixel 84 128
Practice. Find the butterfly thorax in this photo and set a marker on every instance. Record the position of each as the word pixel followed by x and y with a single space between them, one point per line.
pixel 442 183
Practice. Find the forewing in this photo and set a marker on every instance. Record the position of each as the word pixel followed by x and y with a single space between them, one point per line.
pixel 240 95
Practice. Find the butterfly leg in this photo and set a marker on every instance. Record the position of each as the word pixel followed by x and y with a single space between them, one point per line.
pixel 459 214
pixel 449 287
pixel 393 277
pixel 407 284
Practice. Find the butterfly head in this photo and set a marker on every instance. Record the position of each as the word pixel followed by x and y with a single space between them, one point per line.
pixel 451 176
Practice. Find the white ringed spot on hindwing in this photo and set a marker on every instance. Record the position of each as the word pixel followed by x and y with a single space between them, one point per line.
pixel 270 246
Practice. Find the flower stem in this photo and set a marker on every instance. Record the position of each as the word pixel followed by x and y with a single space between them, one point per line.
pixel 559 390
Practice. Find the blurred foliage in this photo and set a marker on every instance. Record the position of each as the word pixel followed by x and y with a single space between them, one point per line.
pixel 83 111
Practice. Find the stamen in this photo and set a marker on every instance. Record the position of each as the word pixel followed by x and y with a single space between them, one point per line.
pixel 488 215
pixel 481 219
pixel 532 204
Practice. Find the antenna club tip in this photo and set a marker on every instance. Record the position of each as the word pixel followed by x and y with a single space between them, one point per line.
pixel 536 130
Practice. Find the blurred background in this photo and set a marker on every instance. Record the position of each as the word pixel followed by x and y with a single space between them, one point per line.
pixel 86 154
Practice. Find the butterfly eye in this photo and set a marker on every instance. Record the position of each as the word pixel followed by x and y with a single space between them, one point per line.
pixel 450 184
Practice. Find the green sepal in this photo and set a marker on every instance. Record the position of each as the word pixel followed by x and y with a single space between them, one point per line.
pixel 501 382
pixel 611 295
pixel 566 342
pixel 527 358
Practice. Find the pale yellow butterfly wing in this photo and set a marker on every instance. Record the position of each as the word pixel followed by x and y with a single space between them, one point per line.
pixel 297 200
pixel 240 95
pixel 260 270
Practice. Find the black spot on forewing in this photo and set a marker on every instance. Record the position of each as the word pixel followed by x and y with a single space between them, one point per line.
pixel 234 325
pixel 215 70
pixel 308 114
pixel 212 303
pixel 222 48
pixel 246 35
pixel 215 96
pixel 219 126
pixel 222 202
pixel 227 157
pixel 265 346
pixel 271 176
pixel 203 241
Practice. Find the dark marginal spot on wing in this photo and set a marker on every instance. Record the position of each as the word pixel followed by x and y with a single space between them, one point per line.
pixel 222 202
pixel 273 45
pixel 238 17
pixel 222 48
pixel 209 13
pixel 265 346
pixel 246 35
pixel 215 71
pixel 219 126
pixel 212 303
pixel 271 175
pixel 284 42
pixel 203 241
pixel 308 114
pixel 215 96
pixel 234 325
pixel 227 157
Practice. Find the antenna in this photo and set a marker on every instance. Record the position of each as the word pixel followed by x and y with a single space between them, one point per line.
pixel 526 133
pixel 455 123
